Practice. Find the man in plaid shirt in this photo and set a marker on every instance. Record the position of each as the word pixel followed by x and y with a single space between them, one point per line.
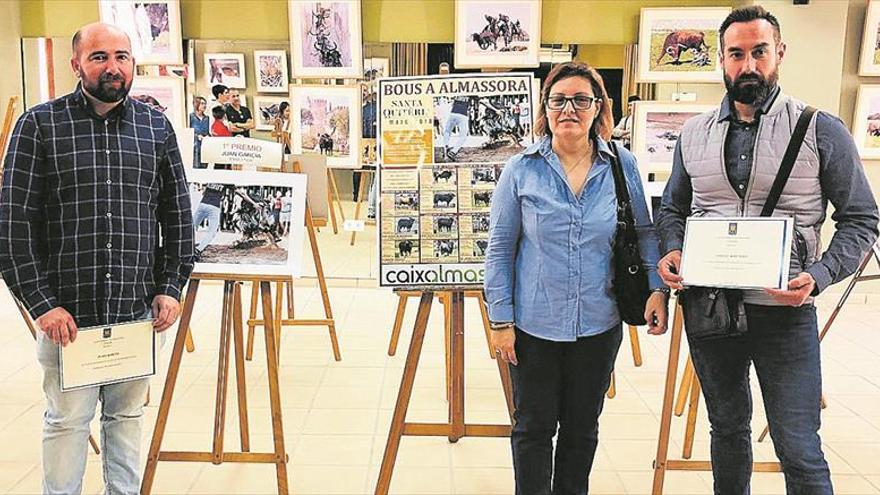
pixel 90 178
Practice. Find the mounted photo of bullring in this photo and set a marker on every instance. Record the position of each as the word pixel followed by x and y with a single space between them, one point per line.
pixel 680 44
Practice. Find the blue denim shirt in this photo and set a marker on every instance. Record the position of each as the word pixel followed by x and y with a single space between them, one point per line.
pixel 549 258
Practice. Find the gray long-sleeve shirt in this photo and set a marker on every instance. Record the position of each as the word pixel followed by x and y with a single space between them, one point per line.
pixel 843 182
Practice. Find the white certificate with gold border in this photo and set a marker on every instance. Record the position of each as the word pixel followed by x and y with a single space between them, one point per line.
pixel 737 252
pixel 108 354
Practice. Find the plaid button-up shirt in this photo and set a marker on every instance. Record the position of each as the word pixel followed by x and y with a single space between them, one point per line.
pixel 81 206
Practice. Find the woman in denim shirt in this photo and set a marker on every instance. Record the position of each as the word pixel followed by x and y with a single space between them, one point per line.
pixel 549 280
pixel 199 122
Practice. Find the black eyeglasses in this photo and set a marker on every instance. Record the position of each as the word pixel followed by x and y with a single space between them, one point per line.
pixel 579 102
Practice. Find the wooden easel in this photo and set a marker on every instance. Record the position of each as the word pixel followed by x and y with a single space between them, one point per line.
pixel 6 130
pixel 333 196
pixel 662 463
pixel 33 329
pixel 455 428
pixel 231 329
pixel 363 190
pixel 285 286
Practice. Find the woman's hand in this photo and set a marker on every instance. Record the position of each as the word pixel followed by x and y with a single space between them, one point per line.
pixel 502 342
pixel 656 309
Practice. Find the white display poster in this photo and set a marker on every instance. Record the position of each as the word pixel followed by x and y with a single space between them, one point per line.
pixel 248 223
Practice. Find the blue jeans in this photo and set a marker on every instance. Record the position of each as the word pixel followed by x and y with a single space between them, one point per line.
pixel 212 213
pixel 559 390
pixel 66 429
pixel 783 343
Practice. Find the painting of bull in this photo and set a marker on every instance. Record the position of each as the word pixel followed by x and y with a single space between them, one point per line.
pixel 480 247
pixel 680 44
pixel 444 200
pixel 444 224
pixel 444 248
pixel 407 225
pixel 404 248
pixel 677 43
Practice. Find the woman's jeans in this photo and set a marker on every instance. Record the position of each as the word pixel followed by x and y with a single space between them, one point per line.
pixel 66 429
pixel 783 343
pixel 559 387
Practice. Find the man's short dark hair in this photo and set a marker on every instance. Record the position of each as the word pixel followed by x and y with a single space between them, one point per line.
pixel 749 14
pixel 218 90
pixel 633 98
pixel 218 112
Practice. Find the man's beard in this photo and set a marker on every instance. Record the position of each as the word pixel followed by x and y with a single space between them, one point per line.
pixel 753 93
pixel 104 91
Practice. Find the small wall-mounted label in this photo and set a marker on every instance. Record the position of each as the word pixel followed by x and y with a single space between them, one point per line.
pixel 684 97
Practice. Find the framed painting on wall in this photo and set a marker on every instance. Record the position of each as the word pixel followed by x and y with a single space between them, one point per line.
pixel 866 121
pixel 869 60
pixel 326 120
pixel 497 33
pixel 271 70
pixel 266 110
pixel 325 39
pixel 163 93
pixel 656 128
pixel 226 69
pixel 152 26
pixel 680 44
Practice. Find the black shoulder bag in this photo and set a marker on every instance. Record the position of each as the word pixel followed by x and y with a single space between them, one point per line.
pixel 630 278
pixel 713 313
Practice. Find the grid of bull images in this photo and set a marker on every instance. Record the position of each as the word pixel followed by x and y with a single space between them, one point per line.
pixel 447 219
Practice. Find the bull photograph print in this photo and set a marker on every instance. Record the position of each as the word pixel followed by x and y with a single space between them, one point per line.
pixel 153 27
pixel 866 121
pixel 226 69
pixel 680 44
pixel 327 121
pixel 271 67
pixel 497 33
pixel 248 222
pixel 265 111
pixel 869 61
pixel 163 93
pixel 656 128
pixel 325 39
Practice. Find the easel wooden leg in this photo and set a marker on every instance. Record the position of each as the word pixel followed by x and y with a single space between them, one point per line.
pixel 455 302
pixel 290 308
pixel 484 313
pixel 398 322
pixel 331 183
pixel 406 385
pixel 447 339
pixel 252 316
pixel 222 373
pixel 279 315
pixel 668 394
pixel 506 384
pixel 612 387
pixel 687 378
pixel 274 392
pixel 362 191
pixel 691 418
pixel 238 334
pixel 322 283
pixel 636 345
pixel 168 391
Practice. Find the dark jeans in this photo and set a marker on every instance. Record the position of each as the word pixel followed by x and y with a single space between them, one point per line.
pixel 783 342
pixel 564 384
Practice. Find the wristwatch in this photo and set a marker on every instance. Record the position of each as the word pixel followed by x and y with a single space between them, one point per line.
pixel 500 325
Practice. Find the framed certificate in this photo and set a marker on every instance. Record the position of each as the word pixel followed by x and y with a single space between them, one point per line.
pixel 108 354
pixel 737 252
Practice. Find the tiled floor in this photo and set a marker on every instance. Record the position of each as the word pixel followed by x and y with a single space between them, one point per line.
pixel 337 414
